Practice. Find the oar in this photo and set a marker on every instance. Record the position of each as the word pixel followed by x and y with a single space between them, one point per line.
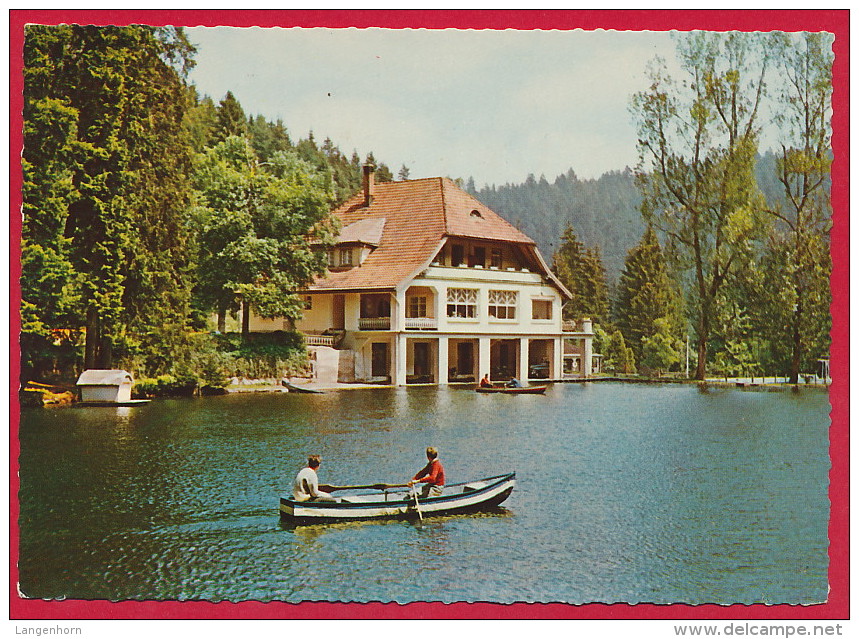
pixel 417 504
pixel 329 488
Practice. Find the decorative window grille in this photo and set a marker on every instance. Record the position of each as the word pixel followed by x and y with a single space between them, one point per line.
pixel 502 304
pixel 417 306
pixel 462 302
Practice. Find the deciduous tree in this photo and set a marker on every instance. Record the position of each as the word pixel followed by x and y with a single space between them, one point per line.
pixel 697 143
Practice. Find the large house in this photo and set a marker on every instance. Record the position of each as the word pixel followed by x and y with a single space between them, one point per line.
pixel 427 285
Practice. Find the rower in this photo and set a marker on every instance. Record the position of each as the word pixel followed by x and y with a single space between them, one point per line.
pixel 432 475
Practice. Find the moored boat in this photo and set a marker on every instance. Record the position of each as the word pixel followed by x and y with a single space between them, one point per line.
pixel 456 498
pixel 516 390
pixel 295 388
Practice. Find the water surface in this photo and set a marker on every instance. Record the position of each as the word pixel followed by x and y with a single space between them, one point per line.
pixel 626 493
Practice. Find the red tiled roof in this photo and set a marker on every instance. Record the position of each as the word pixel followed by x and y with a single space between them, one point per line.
pixel 418 216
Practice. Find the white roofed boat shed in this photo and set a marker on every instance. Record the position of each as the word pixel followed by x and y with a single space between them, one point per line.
pixel 105 386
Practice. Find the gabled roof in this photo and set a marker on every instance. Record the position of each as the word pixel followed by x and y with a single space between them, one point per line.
pixel 415 218
pixel 97 377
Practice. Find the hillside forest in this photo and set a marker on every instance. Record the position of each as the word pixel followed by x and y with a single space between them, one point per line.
pixel 149 208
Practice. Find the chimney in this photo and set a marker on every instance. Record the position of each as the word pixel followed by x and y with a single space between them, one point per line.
pixel 369 183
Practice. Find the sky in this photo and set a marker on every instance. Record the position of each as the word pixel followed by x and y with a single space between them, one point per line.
pixel 492 105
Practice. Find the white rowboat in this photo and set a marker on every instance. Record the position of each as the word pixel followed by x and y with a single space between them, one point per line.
pixel 456 498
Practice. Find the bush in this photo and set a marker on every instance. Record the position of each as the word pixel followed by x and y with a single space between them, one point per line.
pixel 166 386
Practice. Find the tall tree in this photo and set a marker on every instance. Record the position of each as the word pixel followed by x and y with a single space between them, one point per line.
pixel 231 120
pixel 803 213
pixel 697 146
pixel 646 292
pixel 581 271
pixel 105 160
pixel 261 227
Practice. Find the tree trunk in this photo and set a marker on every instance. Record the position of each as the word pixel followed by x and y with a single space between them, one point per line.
pixel 222 319
pixel 104 357
pixel 92 338
pixel 246 318
pixel 703 337
pixel 796 347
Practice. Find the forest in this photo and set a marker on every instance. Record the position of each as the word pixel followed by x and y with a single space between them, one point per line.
pixel 149 208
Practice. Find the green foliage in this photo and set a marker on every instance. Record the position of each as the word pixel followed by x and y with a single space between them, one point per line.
pixel 184 385
pixel 617 356
pixel 645 293
pixel 230 119
pixel 697 146
pixel 581 270
pixel 263 228
pixel 660 350
pixel 105 188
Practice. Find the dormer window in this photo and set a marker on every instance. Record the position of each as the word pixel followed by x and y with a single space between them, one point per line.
pixel 476 213
pixel 345 257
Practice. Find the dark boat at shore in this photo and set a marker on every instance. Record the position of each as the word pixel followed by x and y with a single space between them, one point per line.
pixel 515 390
pixel 401 504
pixel 295 388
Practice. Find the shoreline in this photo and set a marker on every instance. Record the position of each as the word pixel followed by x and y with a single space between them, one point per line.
pixel 732 383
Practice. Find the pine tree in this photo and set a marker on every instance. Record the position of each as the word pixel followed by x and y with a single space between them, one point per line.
pixel 645 293
pixel 231 120
pixel 581 270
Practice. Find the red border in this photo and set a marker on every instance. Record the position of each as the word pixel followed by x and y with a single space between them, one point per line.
pixel 835 21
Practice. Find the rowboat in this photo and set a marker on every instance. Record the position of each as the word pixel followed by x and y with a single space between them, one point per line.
pixel 295 388
pixel 522 390
pixel 401 504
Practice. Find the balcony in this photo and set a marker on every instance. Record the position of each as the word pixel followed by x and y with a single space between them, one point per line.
pixel 374 323
pixel 319 340
pixel 421 323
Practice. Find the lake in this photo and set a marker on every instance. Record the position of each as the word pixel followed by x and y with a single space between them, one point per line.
pixel 625 493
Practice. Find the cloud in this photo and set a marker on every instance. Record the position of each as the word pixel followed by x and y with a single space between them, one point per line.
pixel 495 105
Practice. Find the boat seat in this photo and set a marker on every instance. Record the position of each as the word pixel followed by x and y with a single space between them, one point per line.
pixel 355 499
pixel 475 485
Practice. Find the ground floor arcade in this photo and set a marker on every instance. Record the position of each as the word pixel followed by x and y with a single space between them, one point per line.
pixel 441 359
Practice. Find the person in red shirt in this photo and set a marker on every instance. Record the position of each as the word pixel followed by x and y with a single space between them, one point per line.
pixel 432 475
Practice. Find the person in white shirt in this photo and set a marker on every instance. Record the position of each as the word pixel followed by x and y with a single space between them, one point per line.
pixel 306 485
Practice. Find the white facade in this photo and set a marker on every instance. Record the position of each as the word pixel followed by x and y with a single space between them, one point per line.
pixel 450 324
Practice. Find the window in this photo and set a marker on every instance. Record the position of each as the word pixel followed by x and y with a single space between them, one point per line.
pixel 478 258
pixel 417 306
pixel 475 213
pixel 457 254
pixel 308 302
pixel 496 258
pixel 331 258
pixel 345 257
pixel 462 302
pixel 541 309
pixel 502 304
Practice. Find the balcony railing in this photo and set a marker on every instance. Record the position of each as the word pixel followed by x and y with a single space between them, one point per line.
pixel 422 323
pixel 374 323
pixel 319 340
